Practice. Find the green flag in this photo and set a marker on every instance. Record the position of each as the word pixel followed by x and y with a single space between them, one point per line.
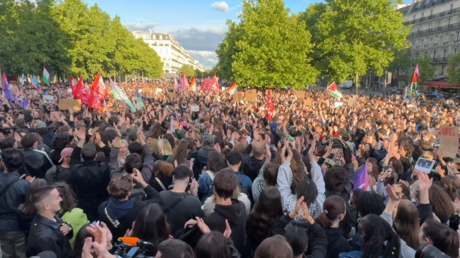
pixel 46 74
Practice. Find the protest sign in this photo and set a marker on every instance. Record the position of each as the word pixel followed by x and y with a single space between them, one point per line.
pixel 351 102
pixel 338 104
pixel 300 94
pixel 250 95
pixel 448 144
pixel 308 102
pixel 172 94
pixel 70 104
pixel 48 99
pixel 238 96
pixel 194 108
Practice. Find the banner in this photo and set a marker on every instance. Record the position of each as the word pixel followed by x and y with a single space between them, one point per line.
pixel 70 104
pixel 48 99
pixel 237 97
pixel 250 95
pixel 300 94
pixel 449 141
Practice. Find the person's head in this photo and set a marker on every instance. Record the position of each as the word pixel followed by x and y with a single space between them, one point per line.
pixel 120 187
pixel 334 210
pixel 182 174
pixel 164 147
pixel 88 152
pixel 12 159
pixel 441 236
pixel 335 178
pixel 442 204
pixel 46 200
pixel 269 205
pixel 225 183
pixel 212 245
pixel 30 140
pixel 60 141
pixel 258 149
pixel 307 189
pixel 135 147
pixel 133 161
pixel 234 160
pixel 151 225
pixel 380 240
pixel 406 223
pixel 28 207
pixel 450 183
pixel 162 168
pixel 274 247
pixel 215 162
pixel 123 150
pixel 7 142
pixel 370 203
pixel 82 234
pixel 270 174
pixel 174 248
pixel 65 155
pixel 69 200
pixel 181 152
pixel 298 240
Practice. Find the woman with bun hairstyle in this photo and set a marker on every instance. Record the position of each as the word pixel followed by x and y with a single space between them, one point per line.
pixel 334 211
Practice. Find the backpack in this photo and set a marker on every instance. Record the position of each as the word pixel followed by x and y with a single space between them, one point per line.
pixel 244 189
pixel 211 187
pixel 50 175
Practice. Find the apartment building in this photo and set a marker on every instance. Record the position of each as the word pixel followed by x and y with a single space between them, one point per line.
pixel 172 54
pixel 435 31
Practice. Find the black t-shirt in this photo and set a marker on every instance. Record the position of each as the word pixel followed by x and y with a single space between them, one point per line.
pixel 188 208
pixel 64 175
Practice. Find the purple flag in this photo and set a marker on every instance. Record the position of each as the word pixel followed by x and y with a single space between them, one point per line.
pixel 176 85
pixel 6 88
pixel 362 178
pixel 24 103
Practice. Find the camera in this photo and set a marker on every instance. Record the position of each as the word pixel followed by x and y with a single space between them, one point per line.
pixel 429 251
pixel 142 249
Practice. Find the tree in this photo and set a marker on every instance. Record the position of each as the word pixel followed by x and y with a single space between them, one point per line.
pixel 426 68
pixel 401 64
pixel 355 37
pixel 454 69
pixel 187 70
pixel 268 47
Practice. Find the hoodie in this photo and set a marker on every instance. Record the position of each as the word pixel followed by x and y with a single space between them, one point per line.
pixel 236 216
pixel 337 244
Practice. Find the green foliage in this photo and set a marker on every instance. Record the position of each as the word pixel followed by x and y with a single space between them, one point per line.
pixel 187 70
pixel 73 38
pixel 268 47
pixel 401 63
pixel 354 37
pixel 426 68
pixel 454 69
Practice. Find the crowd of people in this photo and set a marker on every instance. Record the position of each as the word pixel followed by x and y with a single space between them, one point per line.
pixel 225 181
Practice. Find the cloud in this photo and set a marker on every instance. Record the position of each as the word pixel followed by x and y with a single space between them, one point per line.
pixel 207 58
pixel 220 6
pixel 140 26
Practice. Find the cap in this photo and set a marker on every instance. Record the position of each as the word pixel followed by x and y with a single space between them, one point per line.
pixel 66 152
pixel 40 124
pixel 330 162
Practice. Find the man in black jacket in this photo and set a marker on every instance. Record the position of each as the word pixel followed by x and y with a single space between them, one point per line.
pixel 48 232
pixel 120 211
pixel 90 178
pixel 36 162
pixel 13 193
pixel 253 159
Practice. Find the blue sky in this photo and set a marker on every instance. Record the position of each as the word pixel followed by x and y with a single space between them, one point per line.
pixel 198 25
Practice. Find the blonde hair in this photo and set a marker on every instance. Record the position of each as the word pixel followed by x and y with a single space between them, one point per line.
pixel 164 147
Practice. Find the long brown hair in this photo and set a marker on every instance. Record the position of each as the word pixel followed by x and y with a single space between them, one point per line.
pixel 407 223
pixel 180 154
pixel 28 207
pixel 333 207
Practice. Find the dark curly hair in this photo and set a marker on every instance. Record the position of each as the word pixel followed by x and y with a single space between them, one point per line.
pixel 262 218
pixel 442 203
pixel 450 184
pixel 370 203
pixel 380 240
pixel 69 200
pixel 335 178
pixel 60 141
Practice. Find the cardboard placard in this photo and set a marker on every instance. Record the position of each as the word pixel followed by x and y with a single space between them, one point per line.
pixel 300 94
pixel 194 108
pixel 238 96
pixel 70 104
pixel 449 141
pixel 48 99
pixel 172 94
pixel 351 102
pixel 250 95
pixel 338 104
pixel 308 102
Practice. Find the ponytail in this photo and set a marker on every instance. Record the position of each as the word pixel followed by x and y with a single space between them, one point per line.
pixel 323 220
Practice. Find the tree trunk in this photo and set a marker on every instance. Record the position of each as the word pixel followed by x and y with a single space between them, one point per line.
pixel 356 82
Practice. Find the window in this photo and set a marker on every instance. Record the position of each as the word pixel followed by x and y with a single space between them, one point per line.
pixel 434 54
pixel 422 15
pixel 445 52
pixel 442 70
pixel 451 7
pixel 448 21
pixel 458 36
pixel 455 51
pixel 414 18
pixel 431 12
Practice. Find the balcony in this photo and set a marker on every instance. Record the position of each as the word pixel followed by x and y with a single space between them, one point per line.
pixel 445 43
pixel 435 30
pixel 435 44
pixel 439 60
pixel 434 16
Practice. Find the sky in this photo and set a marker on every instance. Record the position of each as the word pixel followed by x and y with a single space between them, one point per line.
pixel 198 25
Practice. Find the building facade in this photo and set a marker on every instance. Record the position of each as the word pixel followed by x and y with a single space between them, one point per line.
pixel 172 54
pixel 435 31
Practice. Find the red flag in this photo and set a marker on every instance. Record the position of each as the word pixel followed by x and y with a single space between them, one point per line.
pixel 99 87
pixel 77 93
pixel 203 84
pixel 270 106
pixel 214 84
pixel 85 95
